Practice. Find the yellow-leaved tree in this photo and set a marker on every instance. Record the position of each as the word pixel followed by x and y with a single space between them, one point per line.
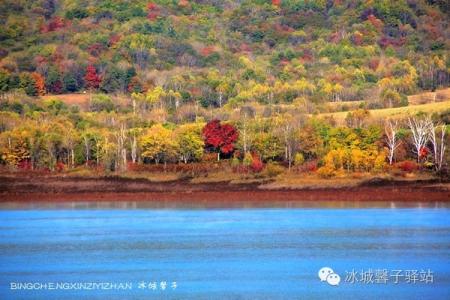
pixel 190 141
pixel 159 144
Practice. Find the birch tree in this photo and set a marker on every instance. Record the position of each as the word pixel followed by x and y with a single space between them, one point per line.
pixel 419 130
pixel 392 140
pixel 246 113
pixel 288 126
pixel 121 137
pixel 437 139
pixel 70 140
pixel 87 146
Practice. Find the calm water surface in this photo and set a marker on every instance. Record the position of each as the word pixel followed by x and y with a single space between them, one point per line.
pixel 244 252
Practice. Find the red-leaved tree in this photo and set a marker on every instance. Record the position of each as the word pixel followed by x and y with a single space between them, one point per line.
pixel 152 11
pixel 276 2
pixel 91 78
pixel 220 137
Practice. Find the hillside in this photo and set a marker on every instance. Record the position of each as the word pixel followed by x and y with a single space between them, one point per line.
pixel 217 53
pixel 225 90
pixel 428 103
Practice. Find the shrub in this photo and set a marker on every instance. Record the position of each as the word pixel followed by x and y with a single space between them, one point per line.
pixel 248 159
pixel 299 159
pixel 273 169
pixel 24 165
pixel 55 105
pixel 309 166
pixel 196 168
pixel 326 171
pixel 101 103
pixel 256 165
pixel 235 162
pixel 407 166
pixel 59 167
pixel 209 157
pixel 380 162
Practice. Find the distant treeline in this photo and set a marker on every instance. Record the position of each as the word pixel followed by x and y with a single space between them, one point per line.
pixel 53 136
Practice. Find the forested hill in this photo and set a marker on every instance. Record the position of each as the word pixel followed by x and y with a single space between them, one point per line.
pixel 222 52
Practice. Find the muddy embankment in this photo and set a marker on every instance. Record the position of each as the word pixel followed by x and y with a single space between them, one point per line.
pixel 28 188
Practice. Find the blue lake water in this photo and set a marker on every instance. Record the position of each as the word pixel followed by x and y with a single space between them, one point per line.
pixel 219 253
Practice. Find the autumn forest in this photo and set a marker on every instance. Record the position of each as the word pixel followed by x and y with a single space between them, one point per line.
pixel 243 89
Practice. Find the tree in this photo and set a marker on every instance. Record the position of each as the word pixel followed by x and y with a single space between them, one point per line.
pixel 223 88
pixel 4 81
pixel 28 84
pixel 91 78
pixel 246 113
pixel 276 2
pixel 299 159
pixel 268 145
pixel 49 8
pixel 101 102
pixel 155 96
pixel 438 142
pixel 288 127
pixel 158 144
pixel 304 87
pixel 220 137
pixel 53 82
pixel 106 148
pixel 173 99
pixel 134 133
pixel 419 130
pixel 140 47
pixel 310 142
pixel 114 79
pixel 121 137
pixel 88 137
pixel 39 83
pixel 392 141
pixel 391 98
pixel 357 118
pixel 247 161
pixel 135 85
pixel 13 147
pixel 69 82
pixel 52 140
pixel 190 142
pixel 71 138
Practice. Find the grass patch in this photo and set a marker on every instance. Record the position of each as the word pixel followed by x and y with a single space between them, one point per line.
pixel 313 181
pixel 397 112
pixel 220 176
pixel 154 177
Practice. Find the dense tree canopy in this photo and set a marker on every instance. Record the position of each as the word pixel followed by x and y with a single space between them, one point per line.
pixel 220 137
pixel 268 51
pixel 104 83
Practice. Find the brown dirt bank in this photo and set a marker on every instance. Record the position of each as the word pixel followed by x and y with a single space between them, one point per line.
pixel 51 188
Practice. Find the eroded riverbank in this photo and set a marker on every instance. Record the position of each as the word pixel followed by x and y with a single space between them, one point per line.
pixel 122 189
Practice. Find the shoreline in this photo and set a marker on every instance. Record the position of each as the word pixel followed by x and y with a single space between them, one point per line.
pixel 77 189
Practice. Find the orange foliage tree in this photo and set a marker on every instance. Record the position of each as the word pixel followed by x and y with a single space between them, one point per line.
pixel 39 83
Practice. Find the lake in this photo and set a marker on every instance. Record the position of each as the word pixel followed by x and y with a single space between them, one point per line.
pixel 158 251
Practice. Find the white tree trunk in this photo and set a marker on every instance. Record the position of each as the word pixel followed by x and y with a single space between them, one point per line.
pixel 419 130
pixel 438 143
pixel 134 149
pixel 391 130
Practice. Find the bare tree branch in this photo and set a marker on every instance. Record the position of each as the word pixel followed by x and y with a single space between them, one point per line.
pixel 437 138
pixel 392 141
pixel 419 129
